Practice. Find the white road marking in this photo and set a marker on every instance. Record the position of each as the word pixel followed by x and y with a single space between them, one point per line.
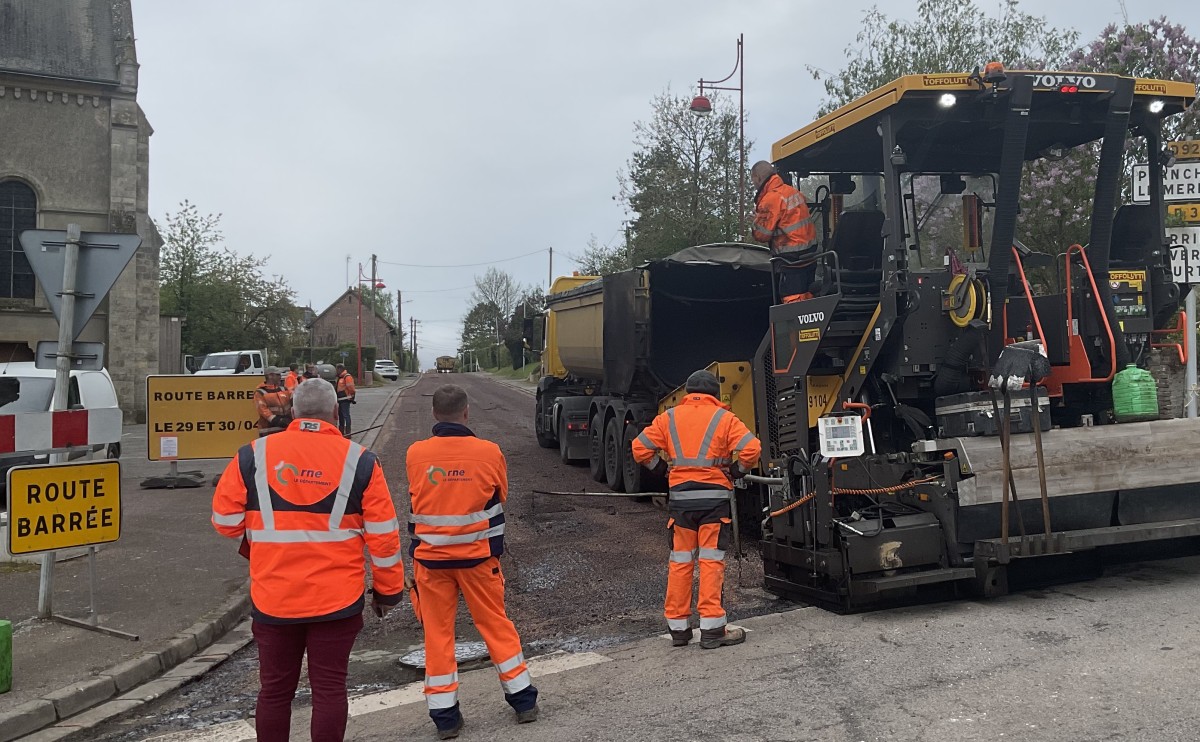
pixel 243 731
pixel 234 731
pixel 549 664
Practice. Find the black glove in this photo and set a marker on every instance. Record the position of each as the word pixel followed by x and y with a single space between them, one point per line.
pixel 283 420
pixel 353 400
pixel 659 466
pixel 736 472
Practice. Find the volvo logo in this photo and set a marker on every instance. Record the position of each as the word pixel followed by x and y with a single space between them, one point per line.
pixel 811 317
pixel 1058 81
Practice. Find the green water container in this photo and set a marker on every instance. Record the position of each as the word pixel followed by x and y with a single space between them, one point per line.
pixel 1135 395
pixel 5 656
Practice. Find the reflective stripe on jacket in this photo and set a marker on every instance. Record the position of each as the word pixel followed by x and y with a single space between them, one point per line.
pixel 700 439
pixel 308 500
pixel 782 220
pixel 271 401
pixel 458 484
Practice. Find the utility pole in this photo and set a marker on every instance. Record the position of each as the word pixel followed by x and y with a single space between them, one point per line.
pixel 374 310
pixel 412 340
pixel 550 273
pixel 400 324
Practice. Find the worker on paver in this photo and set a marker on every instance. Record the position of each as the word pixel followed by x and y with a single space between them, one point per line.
pixel 291 379
pixel 781 220
pixel 705 445
pixel 310 372
pixel 345 398
pixel 458 484
pixel 307 501
pixel 273 402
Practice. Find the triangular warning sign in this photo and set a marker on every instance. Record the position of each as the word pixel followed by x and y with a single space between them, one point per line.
pixel 102 257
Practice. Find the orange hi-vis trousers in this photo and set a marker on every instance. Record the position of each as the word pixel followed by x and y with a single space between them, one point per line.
pixel 697 536
pixel 482 586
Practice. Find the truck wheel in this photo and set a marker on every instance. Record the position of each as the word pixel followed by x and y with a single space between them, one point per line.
pixel 596 449
pixel 614 461
pixel 632 471
pixel 539 432
pixel 563 447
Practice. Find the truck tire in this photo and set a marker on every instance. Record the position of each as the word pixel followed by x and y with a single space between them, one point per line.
pixel 614 459
pixel 631 471
pixel 596 449
pixel 544 440
pixel 563 447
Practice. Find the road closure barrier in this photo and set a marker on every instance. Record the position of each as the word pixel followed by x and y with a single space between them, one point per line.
pixel 61 506
pixel 199 417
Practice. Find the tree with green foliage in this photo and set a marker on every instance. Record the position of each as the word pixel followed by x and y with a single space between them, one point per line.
pixel 482 331
pixel 680 187
pixel 1056 200
pixel 226 299
pixel 946 36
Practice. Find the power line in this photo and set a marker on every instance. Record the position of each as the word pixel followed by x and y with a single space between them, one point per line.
pixel 465 265
pixel 437 291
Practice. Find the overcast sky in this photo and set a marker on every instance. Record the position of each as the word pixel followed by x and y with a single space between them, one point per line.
pixel 450 133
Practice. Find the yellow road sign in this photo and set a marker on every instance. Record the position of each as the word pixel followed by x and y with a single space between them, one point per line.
pixel 199 417
pixel 1188 150
pixel 1188 212
pixel 58 506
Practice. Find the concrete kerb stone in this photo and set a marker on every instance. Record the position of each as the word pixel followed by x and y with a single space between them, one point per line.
pixel 26 718
pixel 83 695
pixel 66 703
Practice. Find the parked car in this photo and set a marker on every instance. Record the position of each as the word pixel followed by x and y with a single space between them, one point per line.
pixel 387 369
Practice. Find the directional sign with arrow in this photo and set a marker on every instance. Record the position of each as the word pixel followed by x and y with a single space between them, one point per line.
pixel 102 257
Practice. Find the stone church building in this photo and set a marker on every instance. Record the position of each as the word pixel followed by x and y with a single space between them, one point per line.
pixel 75 148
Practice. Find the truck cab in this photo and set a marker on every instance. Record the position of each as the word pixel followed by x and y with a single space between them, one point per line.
pixel 231 362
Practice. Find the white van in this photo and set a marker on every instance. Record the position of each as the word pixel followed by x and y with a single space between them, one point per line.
pixel 26 388
pixel 234 362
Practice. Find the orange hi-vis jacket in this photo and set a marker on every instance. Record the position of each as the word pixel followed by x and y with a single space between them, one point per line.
pixel 291 380
pixel 308 500
pixel 458 484
pixel 271 401
pixel 700 439
pixel 781 220
pixel 345 386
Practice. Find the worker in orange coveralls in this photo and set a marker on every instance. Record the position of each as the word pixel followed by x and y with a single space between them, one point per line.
pixel 705 445
pixel 459 484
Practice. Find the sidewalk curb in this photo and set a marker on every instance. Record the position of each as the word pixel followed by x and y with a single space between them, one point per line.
pixel 66 704
pixel 514 384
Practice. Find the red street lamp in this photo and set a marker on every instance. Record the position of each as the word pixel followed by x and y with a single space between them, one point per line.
pixel 379 285
pixel 702 106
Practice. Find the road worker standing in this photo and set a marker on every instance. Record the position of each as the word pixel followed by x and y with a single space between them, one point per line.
pixel 458 485
pixel 704 444
pixel 307 501
pixel 781 220
pixel 345 398
pixel 273 402
pixel 291 379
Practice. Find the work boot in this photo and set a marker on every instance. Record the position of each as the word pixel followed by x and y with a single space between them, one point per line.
pixel 452 732
pixel 527 716
pixel 681 638
pixel 723 637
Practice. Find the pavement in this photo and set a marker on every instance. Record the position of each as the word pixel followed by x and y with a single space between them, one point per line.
pixel 1110 659
pixel 170 579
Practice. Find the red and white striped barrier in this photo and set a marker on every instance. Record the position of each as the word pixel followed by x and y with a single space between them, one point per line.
pixel 48 431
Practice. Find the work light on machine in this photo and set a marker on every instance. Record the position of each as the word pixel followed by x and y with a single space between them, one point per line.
pixel 1156 106
pixel 947 100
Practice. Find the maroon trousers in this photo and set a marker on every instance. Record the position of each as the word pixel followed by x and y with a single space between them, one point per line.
pixel 281 648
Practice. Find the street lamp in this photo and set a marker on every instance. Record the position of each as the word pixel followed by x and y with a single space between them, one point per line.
pixel 702 106
pixel 378 285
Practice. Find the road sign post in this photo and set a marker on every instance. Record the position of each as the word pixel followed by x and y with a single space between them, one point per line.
pixel 54 257
pixel 61 506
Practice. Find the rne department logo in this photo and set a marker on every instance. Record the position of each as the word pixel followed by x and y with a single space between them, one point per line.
pixel 286 474
pixel 436 475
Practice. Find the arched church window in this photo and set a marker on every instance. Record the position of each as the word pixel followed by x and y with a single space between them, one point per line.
pixel 18 212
